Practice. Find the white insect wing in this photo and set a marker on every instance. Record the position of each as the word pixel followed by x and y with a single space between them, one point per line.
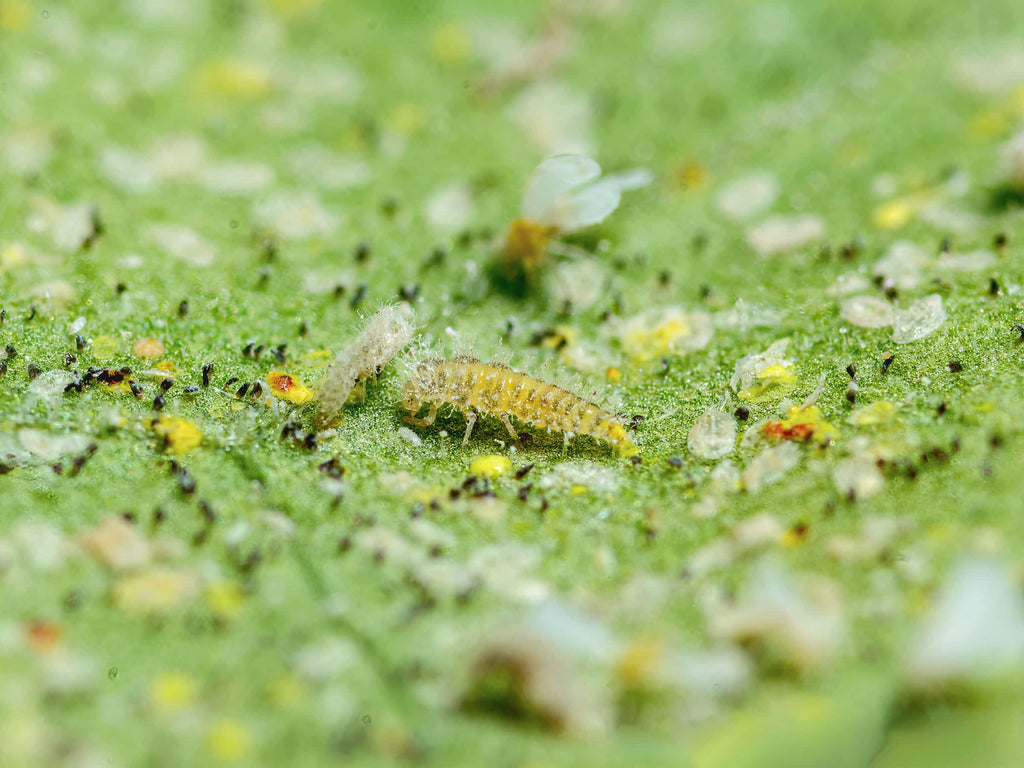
pixel 552 180
pixel 591 205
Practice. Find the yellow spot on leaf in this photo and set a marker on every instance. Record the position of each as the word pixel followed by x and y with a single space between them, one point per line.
pixel 156 591
pixel 105 347
pixel 286 690
pixel 449 44
pixel 12 255
pixel 872 414
pixel 167 366
pixel 148 348
pixel 172 690
pixel 228 740
pixel 987 125
pixel 406 118
pixel 225 599
pixel 15 15
pixel 639 663
pixel 180 434
pixel 293 9
pixel 289 388
pixel 614 375
pixel 801 424
pixel 490 466
pixel 577 490
pixel 526 245
pixel 234 79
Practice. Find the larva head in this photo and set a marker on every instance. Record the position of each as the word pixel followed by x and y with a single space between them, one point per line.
pixel 423 386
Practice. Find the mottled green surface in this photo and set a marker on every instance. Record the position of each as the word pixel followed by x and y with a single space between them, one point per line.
pixel 847 91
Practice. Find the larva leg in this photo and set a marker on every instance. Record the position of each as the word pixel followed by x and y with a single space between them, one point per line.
pixel 470 423
pixel 424 422
pixel 508 425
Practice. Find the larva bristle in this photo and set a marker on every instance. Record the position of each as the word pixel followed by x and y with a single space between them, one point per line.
pixel 500 391
pixel 387 332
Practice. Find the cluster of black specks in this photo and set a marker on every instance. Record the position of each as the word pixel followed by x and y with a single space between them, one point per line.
pixel 111 376
pixel 255 351
pixel 78 462
pixel 294 433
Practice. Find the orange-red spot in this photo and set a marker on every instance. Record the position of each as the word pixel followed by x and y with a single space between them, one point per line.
pixel 43 636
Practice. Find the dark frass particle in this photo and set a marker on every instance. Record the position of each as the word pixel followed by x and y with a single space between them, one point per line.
pixel 207 370
pixel 851 392
pixel 207 511
pixel 159 402
pixel 183 309
pixel 851 369
pixel 257 391
pixel 523 471
pixel 993 287
pixel 524 492
pixel 3 317
pixel 742 413
pixel 360 295
pixel 955 366
pixel 887 360
pixel 999 241
pixel 69 359
pixel 10 352
pixel 675 462
pixel 361 252
pixel 166 384
pixel 31 313
pixel 33 370
pixel 120 288
pixel 185 481
pixel 3 368
pixel 409 292
pixel 230 381
pixel 136 388
pixel 1019 330
pixel 333 468
pixel 941 410
pixel 191 389
pixel 79 342
pixel 240 392
pixel 279 352
pixel 247 351
pixel 303 329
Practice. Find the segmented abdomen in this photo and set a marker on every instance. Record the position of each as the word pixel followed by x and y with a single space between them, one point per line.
pixel 497 389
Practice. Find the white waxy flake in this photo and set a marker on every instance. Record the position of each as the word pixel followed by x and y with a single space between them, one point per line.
pixel 902 264
pixel 713 435
pixel 866 311
pixel 858 477
pixel 554 117
pixel 749 366
pixel 49 385
pixel 770 466
pixel 921 319
pixel 184 243
pixel 973 261
pixel 996 70
pixel 238 177
pixel 570 474
pixel 1011 158
pixel 128 170
pixel 450 208
pixel 748 195
pixel 296 216
pixel 410 437
pixel 50 447
pixel 178 157
pixel 975 631
pixel 785 233
pixel 793 623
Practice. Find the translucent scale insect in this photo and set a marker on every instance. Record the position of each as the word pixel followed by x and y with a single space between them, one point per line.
pixel 494 389
pixel 387 332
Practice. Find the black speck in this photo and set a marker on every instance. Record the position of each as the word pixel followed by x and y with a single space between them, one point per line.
pixel 257 391
pixel 1000 240
pixel 1020 332
pixel 79 342
pixel 159 402
pixel 523 471
pixel 409 292
pixel 941 410
pixel 207 511
pixel 185 481
pixel 362 252
pixel 207 370
pixel 242 390
pixel 359 296
pixel 993 287
pixel 166 384
pixel 955 366
pixel 33 370
pixel 303 329
pixel 742 413
pixel 183 309
pixel 851 392
pixel 120 288
pixel 524 492
pixel 191 389
pixel 136 388
pixel 69 359
pixel 31 313
pixel 851 369
pixel 10 352
pixel 230 381
pixel 636 461
pixel 675 462
pixel 887 360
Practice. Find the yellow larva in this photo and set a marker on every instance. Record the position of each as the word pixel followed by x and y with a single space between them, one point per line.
pixel 497 390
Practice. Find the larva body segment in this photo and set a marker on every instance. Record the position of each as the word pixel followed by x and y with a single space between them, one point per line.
pixel 387 332
pixel 497 390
